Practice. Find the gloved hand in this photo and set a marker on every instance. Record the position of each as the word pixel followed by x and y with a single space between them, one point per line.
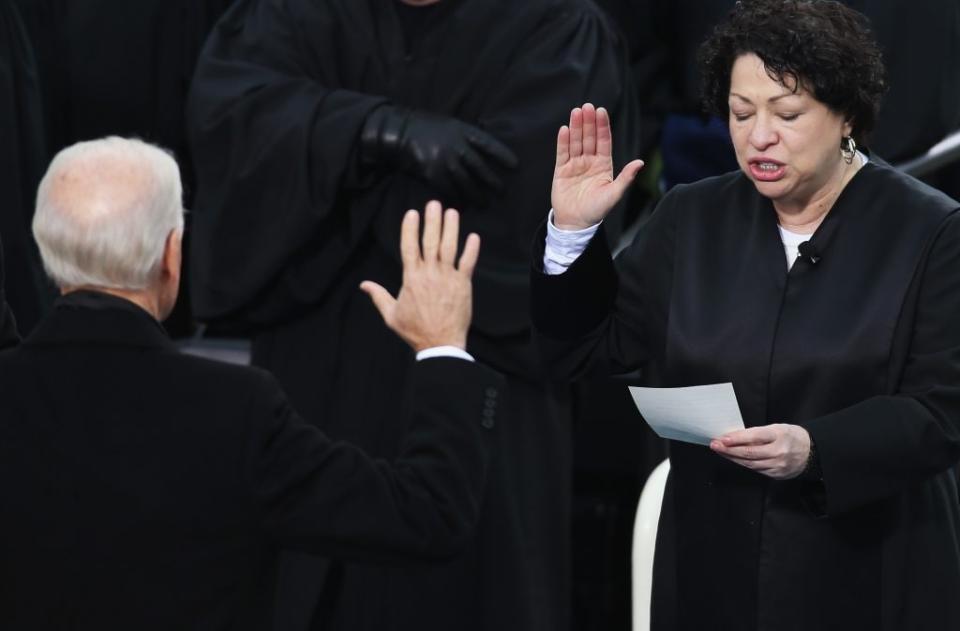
pixel 458 159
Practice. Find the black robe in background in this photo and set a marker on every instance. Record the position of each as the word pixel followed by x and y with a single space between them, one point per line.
pixel 861 348
pixel 920 40
pixel 22 162
pixel 287 226
pixel 116 67
pixel 8 327
pixel 664 36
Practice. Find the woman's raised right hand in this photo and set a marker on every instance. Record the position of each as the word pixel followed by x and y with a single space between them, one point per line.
pixel 584 189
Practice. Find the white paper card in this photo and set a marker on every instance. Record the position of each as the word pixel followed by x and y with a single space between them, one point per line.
pixel 695 414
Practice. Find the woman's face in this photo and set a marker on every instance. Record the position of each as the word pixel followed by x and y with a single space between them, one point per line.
pixel 787 143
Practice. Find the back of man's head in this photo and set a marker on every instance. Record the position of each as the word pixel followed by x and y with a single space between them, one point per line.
pixel 105 209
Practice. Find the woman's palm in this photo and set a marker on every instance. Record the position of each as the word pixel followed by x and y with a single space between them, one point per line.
pixel 584 189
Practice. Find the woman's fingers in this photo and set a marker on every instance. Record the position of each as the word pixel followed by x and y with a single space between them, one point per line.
pixel 754 443
pixel 589 130
pixel 563 146
pixel 626 177
pixel 778 450
pixel 604 134
pixel 576 133
pixel 751 436
pixel 748 453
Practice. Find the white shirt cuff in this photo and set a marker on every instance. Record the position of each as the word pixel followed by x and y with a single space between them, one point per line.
pixel 563 247
pixel 444 351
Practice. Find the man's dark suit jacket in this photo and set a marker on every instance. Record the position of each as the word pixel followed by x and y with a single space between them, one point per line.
pixel 144 489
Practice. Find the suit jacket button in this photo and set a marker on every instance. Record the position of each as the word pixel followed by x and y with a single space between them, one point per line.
pixel 488 415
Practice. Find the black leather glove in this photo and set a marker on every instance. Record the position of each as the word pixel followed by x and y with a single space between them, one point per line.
pixel 459 159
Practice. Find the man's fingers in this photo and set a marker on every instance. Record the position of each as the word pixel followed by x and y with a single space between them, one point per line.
pixel 409 239
pixel 589 130
pixel 576 133
pixel 382 300
pixel 432 218
pixel 604 135
pixel 451 233
pixel 563 146
pixel 471 251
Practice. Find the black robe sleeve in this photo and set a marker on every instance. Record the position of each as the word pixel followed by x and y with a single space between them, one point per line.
pixel 883 445
pixel 272 138
pixel 332 498
pixel 596 318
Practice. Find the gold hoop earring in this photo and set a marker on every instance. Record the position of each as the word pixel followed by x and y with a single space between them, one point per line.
pixel 848 147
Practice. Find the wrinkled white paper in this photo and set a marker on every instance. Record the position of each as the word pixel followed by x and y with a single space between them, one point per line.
pixel 695 414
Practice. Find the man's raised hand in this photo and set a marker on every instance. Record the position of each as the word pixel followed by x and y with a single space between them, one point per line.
pixel 435 302
pixel 584 189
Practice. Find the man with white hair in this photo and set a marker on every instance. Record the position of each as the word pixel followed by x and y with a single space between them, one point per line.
pixel 145 489
pixel 8 328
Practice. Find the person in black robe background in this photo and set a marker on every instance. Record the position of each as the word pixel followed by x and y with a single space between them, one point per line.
pixel 110 67
pixel 664 36
pixel 314 125
pixel 114 67
pixel 8 327
pixel 22 162
pixel 920 40
pixel 921 48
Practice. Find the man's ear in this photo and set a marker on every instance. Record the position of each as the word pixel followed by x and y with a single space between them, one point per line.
pixel 169 281
pixel 173 255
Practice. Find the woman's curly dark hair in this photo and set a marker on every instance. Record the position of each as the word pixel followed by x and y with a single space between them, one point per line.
pixel 820 45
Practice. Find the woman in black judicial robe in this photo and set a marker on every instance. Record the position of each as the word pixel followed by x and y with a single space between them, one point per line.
pixel 291 214
pixel 836 507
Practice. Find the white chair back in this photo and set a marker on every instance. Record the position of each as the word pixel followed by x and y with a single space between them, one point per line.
pixel 644 543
